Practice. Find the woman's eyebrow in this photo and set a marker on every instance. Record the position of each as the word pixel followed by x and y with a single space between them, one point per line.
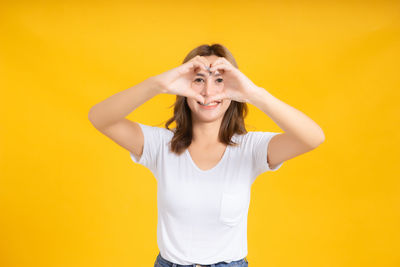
pixel 201 74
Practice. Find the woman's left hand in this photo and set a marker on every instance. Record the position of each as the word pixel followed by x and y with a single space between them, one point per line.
pixel 237 86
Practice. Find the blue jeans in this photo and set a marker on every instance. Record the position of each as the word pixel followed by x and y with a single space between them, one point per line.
pixel 161 262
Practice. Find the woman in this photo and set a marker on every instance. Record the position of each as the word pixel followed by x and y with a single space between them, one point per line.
pixel 206 165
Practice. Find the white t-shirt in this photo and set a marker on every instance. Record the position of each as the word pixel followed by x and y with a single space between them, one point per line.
pixel 202 215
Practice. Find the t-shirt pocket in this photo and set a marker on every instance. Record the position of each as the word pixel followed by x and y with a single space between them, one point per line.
pixel 233 207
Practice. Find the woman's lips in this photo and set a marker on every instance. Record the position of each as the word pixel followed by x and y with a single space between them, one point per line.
pixel 211 106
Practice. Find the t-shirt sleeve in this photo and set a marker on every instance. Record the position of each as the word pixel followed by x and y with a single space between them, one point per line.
pixel 259 142
pixel 152 147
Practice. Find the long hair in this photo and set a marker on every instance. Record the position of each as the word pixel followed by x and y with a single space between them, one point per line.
pixel 233 119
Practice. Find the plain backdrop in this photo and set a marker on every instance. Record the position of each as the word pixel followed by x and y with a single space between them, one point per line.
pixel 70 197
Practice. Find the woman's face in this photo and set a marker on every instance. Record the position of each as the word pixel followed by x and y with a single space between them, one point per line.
pixel 208 84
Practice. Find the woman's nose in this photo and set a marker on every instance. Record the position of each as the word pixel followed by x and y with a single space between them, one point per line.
pixel 209 88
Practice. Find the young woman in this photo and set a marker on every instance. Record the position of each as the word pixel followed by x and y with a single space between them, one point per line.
pixel 205 166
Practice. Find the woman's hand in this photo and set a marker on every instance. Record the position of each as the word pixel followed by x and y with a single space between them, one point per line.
pixel 178 81
pixel 237 86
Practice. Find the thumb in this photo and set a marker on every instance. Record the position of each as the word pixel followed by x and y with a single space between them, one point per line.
pixel 216 97
pixel 196 96
pixel 200 98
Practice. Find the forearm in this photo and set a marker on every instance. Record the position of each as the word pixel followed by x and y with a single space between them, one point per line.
pixel 289 119
pixel 121 104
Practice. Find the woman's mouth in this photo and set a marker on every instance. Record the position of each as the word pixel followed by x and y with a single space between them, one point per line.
pixel 211 105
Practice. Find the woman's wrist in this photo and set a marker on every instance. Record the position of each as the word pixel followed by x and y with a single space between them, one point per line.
pixel 255 94
pixel 156 85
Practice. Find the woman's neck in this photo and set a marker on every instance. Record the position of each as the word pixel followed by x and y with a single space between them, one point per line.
pixel 206 133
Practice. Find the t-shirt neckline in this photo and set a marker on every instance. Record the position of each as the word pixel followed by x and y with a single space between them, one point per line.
pixel 220 162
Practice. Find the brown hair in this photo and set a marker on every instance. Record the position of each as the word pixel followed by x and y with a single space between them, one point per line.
pixel 232 122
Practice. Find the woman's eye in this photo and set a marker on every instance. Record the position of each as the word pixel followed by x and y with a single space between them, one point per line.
pixel 220 80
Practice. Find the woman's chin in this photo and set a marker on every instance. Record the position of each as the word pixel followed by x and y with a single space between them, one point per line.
pixel 205 118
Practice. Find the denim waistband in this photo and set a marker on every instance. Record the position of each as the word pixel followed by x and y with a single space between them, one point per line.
pixel 165 262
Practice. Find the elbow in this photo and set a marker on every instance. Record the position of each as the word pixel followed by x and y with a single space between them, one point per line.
pixel 90 114
pixel 320 139
pixel 316 139
pixel 96 119
pixel 319 142
pixel 91 117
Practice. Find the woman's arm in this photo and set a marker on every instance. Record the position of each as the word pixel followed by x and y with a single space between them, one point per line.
pixel 108 116
pixel 121 104
pixel 301 134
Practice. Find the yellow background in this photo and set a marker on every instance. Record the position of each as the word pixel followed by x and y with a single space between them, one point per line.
pixel 70 197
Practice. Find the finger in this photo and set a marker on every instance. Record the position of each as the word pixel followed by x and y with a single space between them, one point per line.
pixel 220 66
pixel 200 98
pixel 220 60
pixel 200 65
pixel 217 61
pixel 216 97
pixel 195 95
pixel 197 66
pixel 205 61
pixel 190 66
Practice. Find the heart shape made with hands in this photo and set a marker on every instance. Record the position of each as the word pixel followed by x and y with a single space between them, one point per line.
pixel 211 98
pixel 236 87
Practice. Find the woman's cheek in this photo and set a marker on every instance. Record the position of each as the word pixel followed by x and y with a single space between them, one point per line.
pixel 220 87
pixel 196 87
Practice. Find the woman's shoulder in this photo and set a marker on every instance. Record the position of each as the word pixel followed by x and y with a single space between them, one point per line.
pixel 157 131
pixel 251 136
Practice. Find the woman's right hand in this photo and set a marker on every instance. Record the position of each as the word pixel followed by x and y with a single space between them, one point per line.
pixel 178 81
